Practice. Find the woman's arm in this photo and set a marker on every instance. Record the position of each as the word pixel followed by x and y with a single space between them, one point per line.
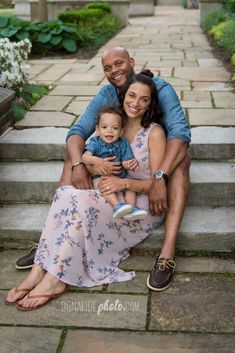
pixel 157 145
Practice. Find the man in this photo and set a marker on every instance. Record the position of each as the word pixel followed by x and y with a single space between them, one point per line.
pixel 170 187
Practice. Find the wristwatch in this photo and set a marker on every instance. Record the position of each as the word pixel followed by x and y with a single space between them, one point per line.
pixel 161 175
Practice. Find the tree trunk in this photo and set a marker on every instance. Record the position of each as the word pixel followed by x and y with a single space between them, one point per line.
pixel 42 7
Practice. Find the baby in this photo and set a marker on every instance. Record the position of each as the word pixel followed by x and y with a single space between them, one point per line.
pixel 108 143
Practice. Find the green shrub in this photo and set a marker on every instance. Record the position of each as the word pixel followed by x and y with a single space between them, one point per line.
pixel 216 31
pixel 183 3
pixel 81 17
pixel 227 38
pixel 214 18
pixel 73 30
pixel 45 37
pixel 230 5
pixel 233 60
pixel 104 6
pixel 26 98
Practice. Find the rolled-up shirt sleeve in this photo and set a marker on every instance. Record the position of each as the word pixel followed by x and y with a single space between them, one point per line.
pixel 175 123
pixel 85 125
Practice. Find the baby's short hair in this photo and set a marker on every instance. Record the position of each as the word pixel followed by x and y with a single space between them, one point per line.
pixel 111 109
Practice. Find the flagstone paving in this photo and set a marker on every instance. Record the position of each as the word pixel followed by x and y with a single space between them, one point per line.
pixel 196 314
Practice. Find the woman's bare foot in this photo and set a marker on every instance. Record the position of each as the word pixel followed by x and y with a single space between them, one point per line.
pixel 34 277
pixel 49 288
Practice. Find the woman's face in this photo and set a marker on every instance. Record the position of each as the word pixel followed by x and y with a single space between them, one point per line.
pixel 137 100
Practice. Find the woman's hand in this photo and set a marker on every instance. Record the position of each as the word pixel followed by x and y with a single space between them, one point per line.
pixel 111 184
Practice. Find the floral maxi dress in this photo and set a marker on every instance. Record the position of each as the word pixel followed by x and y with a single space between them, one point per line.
pixel 81 243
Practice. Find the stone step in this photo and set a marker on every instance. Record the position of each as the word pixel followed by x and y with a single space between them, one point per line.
pixel 48 143
pixel 39 144
pixel 202 229
pixel 212 183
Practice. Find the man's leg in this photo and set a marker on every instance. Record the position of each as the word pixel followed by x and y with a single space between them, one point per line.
pixel 27 261
pixel 178 188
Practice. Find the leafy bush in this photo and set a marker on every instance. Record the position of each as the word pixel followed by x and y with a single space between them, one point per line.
pixel 233 60
pixel 92 25
pixel 214 18
pixel 216 31
pixel 104 6
pixel 224 35
pixel 26 98
pixel 230 5
pixel 183 3
pixel 227 37
pixel 45 37
pixel 82 17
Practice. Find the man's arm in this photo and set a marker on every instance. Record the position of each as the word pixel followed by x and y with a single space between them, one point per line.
pixel 81 178
pixel 178 137
pixel 174 121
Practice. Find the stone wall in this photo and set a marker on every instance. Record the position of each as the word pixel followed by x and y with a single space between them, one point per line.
pixel 120 8
pixel 141 8
pixel 6 101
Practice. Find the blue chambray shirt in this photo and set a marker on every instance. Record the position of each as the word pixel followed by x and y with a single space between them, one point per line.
pixel 121 149
pixel 175 124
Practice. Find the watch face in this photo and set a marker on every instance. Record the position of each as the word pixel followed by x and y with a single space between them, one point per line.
pixel 159 174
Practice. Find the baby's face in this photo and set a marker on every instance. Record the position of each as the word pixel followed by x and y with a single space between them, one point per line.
pixel 109 128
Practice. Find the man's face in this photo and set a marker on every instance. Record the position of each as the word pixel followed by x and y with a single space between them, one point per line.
pixel 118 67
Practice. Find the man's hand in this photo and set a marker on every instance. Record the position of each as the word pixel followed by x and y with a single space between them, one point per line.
pixel 158 197
pixel 131 164
pixel 81 178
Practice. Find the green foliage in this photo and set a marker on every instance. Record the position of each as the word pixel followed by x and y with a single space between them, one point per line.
pixel 91 26
pixel 26 98
pixel 216 31
pixel 45 37
pixel 230 5
pixel 224 35
pixel 104 6
pixel 82 17
pixel 183 3
pixel 214 18
pixel 227 38
pixel 233 60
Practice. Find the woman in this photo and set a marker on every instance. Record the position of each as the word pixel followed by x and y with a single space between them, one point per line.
pixel 81 244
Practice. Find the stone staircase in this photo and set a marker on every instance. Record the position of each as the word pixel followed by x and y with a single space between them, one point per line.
pixel 31 165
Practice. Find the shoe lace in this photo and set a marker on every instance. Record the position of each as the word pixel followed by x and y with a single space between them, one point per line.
pixel 33 245
pixel 163 264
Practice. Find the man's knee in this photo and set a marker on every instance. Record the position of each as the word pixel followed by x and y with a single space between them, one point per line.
pixel 184 166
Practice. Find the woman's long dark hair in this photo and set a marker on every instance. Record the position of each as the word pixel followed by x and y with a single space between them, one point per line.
pixel 153 113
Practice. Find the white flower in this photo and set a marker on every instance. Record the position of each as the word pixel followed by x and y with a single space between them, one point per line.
pixel 14 72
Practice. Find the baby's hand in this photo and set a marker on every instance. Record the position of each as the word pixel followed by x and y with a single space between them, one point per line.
pixel 131 164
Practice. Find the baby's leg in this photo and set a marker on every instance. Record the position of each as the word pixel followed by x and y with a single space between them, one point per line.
pixel 130 197
pixel 112 199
